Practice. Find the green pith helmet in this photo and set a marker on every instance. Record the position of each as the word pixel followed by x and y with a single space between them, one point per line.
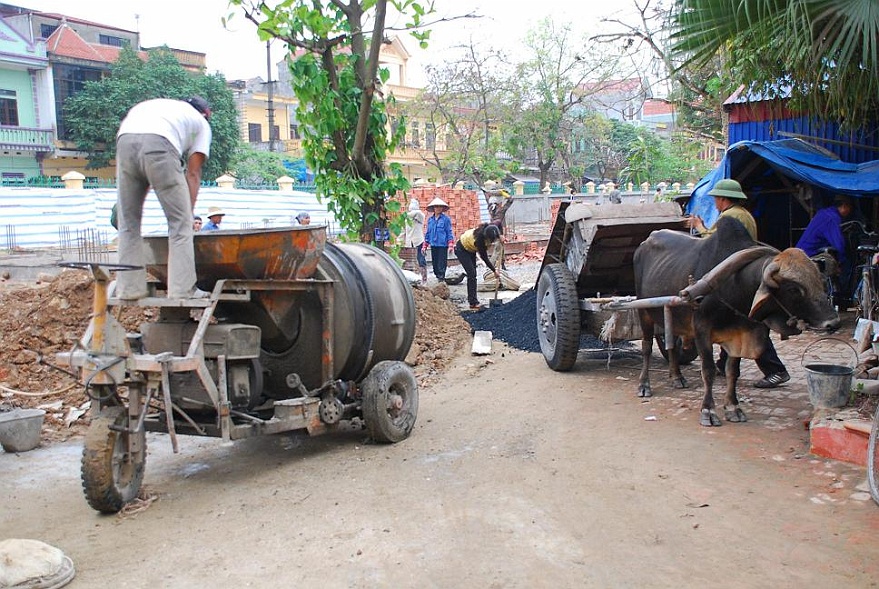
pixel 728 188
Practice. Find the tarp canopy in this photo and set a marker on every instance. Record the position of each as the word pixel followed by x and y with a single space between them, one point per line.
pixel 786 182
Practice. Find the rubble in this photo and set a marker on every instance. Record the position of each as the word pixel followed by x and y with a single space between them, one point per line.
pixel 40 320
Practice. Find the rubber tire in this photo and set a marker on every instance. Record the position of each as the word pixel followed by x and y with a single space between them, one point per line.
pixel 389 377
pixel 865 299
pixel 873 458
pixel 557 299
pixel 685 356
pixel 108 489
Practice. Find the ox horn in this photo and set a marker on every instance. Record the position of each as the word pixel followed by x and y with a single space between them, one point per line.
pixel 724 270
pixel 767 285
pixel 769 273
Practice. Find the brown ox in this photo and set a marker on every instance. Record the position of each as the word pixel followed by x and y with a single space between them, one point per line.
pixel 753 288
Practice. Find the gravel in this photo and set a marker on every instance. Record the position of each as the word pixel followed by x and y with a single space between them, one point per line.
pixel 515 322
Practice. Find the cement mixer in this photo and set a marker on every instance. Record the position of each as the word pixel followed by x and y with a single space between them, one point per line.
pixel 297 333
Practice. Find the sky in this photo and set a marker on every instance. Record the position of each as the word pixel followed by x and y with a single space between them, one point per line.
pixel 196 25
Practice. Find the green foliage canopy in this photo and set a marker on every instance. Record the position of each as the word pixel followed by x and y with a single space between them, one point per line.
pixel 94 114
pixel 823 53
pixel 337 80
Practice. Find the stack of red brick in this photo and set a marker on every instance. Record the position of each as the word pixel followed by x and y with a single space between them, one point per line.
pixel 554 209
pixel 463 210
pixel 463 205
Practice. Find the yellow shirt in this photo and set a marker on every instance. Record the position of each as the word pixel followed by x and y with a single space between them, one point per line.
pixel 741 215
pixel 468 240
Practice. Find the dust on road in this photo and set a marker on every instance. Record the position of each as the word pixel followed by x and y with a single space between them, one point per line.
pixel 514 476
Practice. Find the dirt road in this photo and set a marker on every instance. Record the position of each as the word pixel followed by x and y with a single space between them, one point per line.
pixel 515 476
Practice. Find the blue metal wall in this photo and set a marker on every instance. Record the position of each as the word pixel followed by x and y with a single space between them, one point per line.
pixel 860 145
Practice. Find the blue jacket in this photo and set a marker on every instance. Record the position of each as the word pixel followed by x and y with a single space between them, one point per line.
pixel 439 231
pixel 823 231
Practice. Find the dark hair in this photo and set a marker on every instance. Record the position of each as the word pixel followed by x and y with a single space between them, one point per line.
pixel 199 104
pixel 196 218
pixel 491 233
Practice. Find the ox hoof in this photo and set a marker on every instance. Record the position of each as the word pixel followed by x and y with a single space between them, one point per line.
pixel 644 391
pixel 679 382
pixel 735 415
pixel 710 419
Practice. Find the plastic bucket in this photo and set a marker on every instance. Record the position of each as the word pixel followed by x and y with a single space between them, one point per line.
pixel 829 384
pixel 20 429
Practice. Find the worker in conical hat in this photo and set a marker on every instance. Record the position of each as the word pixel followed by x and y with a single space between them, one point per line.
pixel 437 202
pixel 439 237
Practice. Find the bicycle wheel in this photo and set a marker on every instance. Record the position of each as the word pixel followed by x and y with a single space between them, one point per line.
pixel 865 297
pixel 873 459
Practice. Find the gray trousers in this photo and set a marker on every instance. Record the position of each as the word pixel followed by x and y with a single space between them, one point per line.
pixel 144 160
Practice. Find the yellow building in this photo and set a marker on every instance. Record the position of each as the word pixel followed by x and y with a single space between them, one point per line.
pixel 260 110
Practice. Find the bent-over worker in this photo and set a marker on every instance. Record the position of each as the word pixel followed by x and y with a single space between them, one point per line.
pixel 475 241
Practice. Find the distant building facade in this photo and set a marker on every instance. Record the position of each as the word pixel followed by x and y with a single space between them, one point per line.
pixel 45 58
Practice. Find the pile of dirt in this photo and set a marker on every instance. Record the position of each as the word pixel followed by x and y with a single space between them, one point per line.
pixel 40 320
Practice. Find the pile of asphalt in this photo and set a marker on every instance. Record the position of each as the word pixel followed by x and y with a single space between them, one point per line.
pixel 515 322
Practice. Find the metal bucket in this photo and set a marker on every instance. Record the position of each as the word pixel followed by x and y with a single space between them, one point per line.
pixel 829 384
pixel 20 429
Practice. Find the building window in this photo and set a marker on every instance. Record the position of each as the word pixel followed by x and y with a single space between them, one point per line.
pixel 294 132
pixel 429 136
pixel 47 30
pixel 254 132
pixel 8 108
pixel 415 135
pixel 276 133
pixel 69 81
pixel 113 41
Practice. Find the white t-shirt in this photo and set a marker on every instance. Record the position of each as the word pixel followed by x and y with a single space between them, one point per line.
pixel 175 120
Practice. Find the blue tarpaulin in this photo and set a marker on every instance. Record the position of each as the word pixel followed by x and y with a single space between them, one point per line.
pixel 769 170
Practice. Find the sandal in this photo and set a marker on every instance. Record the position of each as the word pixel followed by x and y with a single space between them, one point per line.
pixel 772 381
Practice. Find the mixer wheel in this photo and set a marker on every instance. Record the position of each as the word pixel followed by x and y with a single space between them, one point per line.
pixel 111 475
pixel 390 401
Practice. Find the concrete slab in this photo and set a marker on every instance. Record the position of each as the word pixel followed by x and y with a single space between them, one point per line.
pixel 481 343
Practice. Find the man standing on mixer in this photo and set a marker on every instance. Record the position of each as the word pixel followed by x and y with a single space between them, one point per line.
pixel 152 140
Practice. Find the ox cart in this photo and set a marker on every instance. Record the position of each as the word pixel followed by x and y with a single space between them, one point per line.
pixel 587 281
pixel 297 334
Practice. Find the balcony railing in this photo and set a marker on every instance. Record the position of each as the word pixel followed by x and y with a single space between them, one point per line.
pixel 25 138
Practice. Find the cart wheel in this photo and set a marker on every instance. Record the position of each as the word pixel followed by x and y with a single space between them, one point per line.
pixel 390 401
pixel 873 458
pixel 111 475
pixel 685 355
pixel 558 317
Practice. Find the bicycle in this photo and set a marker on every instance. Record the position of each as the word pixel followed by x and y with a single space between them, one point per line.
pixel 868 308
pixel 828 266
pixel 865 292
